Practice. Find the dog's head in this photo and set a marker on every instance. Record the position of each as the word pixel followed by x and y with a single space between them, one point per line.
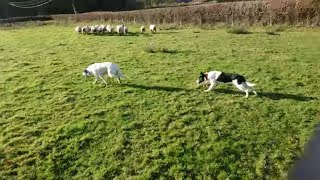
pixel 202 77
pixel 86 73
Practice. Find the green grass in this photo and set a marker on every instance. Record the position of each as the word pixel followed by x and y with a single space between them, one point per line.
pixel 56 124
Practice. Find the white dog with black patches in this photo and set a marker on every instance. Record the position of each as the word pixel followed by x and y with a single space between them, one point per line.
pixel 214 77
pixel 98 70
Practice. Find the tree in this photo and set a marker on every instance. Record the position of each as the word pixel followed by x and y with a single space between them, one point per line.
pixel 74 7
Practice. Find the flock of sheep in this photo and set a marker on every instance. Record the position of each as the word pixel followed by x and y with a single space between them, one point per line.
pixel 108 29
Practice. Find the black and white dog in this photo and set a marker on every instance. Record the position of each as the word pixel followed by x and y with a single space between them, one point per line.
pixel 214 77
pixel 98 70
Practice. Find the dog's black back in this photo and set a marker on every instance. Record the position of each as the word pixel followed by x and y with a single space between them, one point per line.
pixel 229 77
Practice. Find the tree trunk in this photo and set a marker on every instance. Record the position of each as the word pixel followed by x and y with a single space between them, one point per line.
pixel 74 7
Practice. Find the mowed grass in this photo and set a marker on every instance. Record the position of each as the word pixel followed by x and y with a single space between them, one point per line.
pixel 158 124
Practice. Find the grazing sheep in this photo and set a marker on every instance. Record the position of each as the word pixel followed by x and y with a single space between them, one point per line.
pixel 142 29
pixel 90 27
pixel 97 28
pixel 126 30
pixel 93 29
pixel 120 29
pixel 85 30
pixel 109 29
pixel 153 28
pixel 101 29
pixel 78 29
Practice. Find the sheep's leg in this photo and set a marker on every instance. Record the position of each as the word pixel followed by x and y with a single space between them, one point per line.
pixel 103 80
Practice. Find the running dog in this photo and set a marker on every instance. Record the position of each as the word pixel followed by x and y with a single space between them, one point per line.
pixel 214 77
pixel 98 70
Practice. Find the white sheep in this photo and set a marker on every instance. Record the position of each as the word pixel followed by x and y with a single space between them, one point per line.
pixel 85 29
pixel 104 28
pixel 78 29
pixel 126 30
pixel 142 29
pixel 98 29
pixel 153 28
pixel 101 29
pixel 109 29
pixel 93 29
pixel 120 29
pixel 90 27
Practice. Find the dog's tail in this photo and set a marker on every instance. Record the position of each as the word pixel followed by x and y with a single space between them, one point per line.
pixel 250 84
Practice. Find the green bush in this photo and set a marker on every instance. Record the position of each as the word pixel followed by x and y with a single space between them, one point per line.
pixel 274 29
pixel 271 31
pixel 279 28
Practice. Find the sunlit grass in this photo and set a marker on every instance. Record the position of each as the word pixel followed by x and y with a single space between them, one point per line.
pixel 56 123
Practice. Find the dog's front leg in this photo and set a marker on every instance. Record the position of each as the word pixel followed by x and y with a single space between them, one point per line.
pixel 212 83
pixel 119 81
pixel 206 84
pixel 247 94
pixel 96 79
pixel 103 80
pixel 255 93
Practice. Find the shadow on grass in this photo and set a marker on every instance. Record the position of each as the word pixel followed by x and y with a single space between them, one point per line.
pixel 115 34
pixel 270 95
pixel 145 34
pixel 133 34
pixel 158 88
pixel 167 51
pixel 272 34
pixel 170 32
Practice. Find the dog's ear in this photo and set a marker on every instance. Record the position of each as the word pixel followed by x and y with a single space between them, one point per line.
pixel 201 73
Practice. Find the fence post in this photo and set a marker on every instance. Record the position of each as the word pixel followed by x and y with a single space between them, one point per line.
pixel 232 20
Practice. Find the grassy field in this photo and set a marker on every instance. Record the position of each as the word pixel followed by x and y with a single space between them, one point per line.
pixel 56 124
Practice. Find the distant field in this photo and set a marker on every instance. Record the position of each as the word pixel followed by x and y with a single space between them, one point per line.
pixel 54 123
